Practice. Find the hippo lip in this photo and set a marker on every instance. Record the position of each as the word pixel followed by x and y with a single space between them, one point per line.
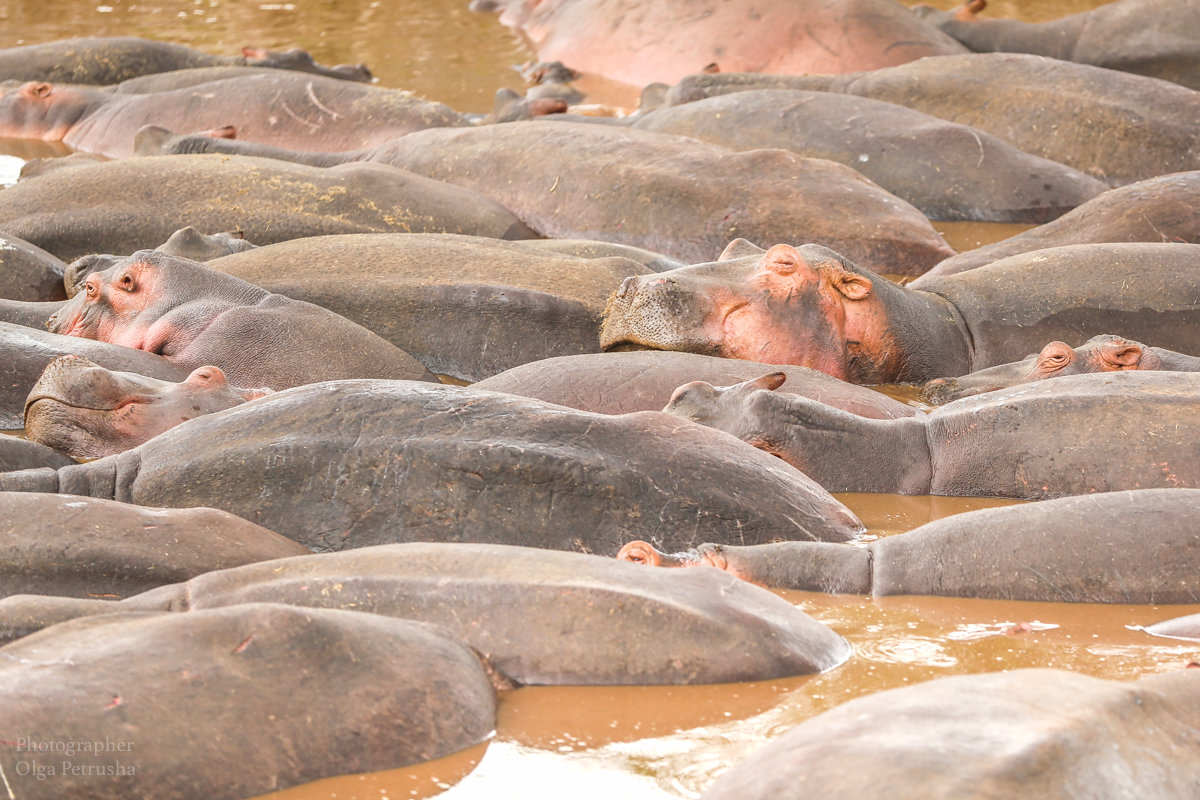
pixel 98 406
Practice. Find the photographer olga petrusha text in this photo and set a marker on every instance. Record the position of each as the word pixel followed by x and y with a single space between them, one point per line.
pixel 49 758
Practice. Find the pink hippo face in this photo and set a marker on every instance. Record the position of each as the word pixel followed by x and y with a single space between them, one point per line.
pixel 792 305
pixel 47 111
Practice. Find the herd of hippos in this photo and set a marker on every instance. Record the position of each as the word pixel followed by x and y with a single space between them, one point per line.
pixel 326 385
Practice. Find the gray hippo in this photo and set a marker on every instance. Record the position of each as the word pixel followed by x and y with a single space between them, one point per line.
pixel 1069 550
pixel 1038 734
pixel 1159 38
pixel 407 693
pixel 105 60
pixel 189 242
pixel 20 454
pixel 289 109
pixel 1116 126
pixel 539 617
pixel 352 463
pixel 1187 627
pixel 88 548
pixel 812 307
pixel 79 408
pixel 195 316
pixel 948 171
pixel 29 273
pixel 1075 435
pixel 1103 353
pixel 120 206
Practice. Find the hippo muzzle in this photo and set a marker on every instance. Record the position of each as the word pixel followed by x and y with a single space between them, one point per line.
pixel 660 312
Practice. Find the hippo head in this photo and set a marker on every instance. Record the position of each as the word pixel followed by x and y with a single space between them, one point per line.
pixel 1103 353
pixel 302 61
pixel 790 305
pixel 734 409
pixel 86 411
pixel 40 110
pixel 706 555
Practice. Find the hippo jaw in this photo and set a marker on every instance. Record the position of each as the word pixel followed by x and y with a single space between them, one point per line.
pixel 656 313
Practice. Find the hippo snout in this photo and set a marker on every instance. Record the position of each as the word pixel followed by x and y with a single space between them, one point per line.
pixel 940 391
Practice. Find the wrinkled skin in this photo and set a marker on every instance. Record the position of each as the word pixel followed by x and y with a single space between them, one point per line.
pixel 1031 733
pixel 409 693
pixel 348 464
pixel 86 411
pixel 104 61
pixel 1069 550
pixel 811 307
pixel 195 316
pixel 1159 38
pixel 1079 434
pixel 1104 353
pixel 666 40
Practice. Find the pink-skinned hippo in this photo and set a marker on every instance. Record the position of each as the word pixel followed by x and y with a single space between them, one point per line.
pixel 1159 38
pixel 1079 434
pixel 1162 209
pixel 347 464
pixel 195 316
pixel 289 109
pixel 252 681
pixel 29 273
pixel 86 411
pixel 948 171
pixel 1037 734
pixel 105 60
pixel 1115 126
pixel 1103 353
pixel 812 307
pixel 670 194
pixel 1068 550
pixel 643 380
pixel 666 40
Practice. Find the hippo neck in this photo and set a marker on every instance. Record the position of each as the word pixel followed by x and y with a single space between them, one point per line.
pixel 928 336
pixel 1171 360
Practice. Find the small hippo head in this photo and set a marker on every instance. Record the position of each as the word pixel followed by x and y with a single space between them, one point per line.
pixel 86 411
pixel 790 305
pixel 734 409
pixel 302 61
pixel 40 110
pixel 1103 353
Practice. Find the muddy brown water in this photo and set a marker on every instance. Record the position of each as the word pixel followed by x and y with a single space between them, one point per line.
pixel 641 743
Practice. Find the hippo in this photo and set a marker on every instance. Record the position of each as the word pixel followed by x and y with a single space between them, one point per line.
pixel 948 171
pixel 1067 550
pixel 1078 434
pixel 594 248
pixel 1032 733
pixel 29 273
pixel 812 307
pixel 1159 38
pixel 1115 126
pixel 1104 353
pixel 408 693
pixel 466 307
pixel 101 549
pixel 189 242
pixel 79 408
pixel 1162 209
pixel 22 454
pixel 640 188
pixel 104 60
pixel 643 380
pixel 1186 627
pixel 668 40
pixel 25 352
pixel 539 617
pixel 114 207
pixel 289 109
pixel 195 316
pixel 346 464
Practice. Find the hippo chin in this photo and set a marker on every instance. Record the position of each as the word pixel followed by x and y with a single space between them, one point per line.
pixel 86 411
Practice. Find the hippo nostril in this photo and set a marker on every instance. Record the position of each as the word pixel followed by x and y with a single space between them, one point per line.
pixel 628 286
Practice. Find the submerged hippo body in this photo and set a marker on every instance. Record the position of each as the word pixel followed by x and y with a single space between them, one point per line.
pixel 121 206
pixel 1075 435
pixel 412 693
pixel 1031 733
pixel 82 409
pixel 353 463
pixel 1072 550
pixel 195 316
pixel 1159 38
pixel 1104 353
pixel 17 454
pixel 948 171
pixel 811 307
pixel 29 273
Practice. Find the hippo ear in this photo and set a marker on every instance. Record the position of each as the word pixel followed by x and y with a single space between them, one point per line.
pixel 38 89
pixel 639 552
pixel 739 248
pixel 851 285
pixel 967 11
pixel 771 381
pixel 1120 355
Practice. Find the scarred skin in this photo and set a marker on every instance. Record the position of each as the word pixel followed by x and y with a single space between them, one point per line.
pixel 1104 353
pixel 86 411
pixel 1079 434
pixel 195 316
pixel 810 306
